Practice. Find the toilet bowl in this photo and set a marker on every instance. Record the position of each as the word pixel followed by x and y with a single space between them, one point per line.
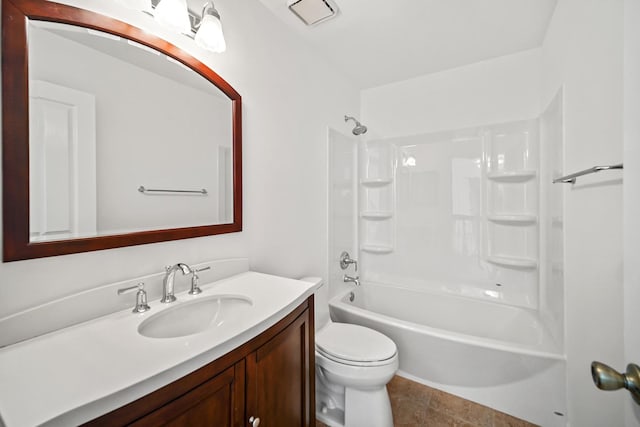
pixel 353 366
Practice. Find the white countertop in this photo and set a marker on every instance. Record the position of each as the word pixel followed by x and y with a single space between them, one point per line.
pixel 78 373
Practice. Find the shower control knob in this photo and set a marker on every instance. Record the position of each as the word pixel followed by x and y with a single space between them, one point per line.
pixel 345 261
pixel 254 421
pixel 607 378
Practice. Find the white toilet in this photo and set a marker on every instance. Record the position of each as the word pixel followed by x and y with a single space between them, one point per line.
pixel 353 366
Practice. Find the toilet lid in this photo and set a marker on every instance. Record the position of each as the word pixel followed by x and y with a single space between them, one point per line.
pixel 354 343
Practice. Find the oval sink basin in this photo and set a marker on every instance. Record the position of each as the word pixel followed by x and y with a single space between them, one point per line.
pixel 191 317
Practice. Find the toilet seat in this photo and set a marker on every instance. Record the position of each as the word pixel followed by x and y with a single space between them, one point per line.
pixel 355 345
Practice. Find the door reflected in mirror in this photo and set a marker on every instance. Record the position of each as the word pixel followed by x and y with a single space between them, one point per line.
pixel 108 116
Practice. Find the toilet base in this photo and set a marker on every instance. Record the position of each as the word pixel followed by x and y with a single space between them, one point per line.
pixel 368 408
pixel 365 408
pixel 331 417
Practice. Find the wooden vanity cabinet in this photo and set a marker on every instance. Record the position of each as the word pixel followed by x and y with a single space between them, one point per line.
pixel 210 404
pixel 279 387
pixel 271 377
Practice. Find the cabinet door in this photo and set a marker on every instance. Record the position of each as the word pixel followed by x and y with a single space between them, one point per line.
pixel 218 402
pixel 280 378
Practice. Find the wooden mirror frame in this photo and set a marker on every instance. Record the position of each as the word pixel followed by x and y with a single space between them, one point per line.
pixel 15 132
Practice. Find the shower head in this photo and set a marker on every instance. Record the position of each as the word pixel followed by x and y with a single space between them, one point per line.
pixel 359 129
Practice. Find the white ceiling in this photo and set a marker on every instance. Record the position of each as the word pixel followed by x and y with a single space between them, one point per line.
pixel 375 42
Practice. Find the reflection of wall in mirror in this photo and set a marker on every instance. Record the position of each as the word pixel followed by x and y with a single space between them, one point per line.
pixel 166 136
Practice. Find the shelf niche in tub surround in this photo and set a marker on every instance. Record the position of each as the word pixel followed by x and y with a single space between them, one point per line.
pixel 512 176
pixel 111 364
pixel 376 215
pixel 513 262
pixel 513 219
pixel 377 249
pixel 375 182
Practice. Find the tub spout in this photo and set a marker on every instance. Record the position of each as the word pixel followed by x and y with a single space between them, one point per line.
pixel 349 279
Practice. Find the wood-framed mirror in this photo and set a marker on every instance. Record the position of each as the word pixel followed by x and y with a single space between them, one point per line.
pixel 179 174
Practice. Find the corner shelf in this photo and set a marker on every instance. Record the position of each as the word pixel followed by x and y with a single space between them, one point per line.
pixel 375 182
pixel 376 249
pixel 513 262
pixel 512 176
pixel 513 219
pixel 376 215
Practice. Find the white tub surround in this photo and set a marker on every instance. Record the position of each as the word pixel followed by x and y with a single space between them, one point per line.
pixel 494 354
pixel 76 374
pixel 454 211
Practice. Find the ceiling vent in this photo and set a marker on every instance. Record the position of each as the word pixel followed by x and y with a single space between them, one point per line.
pixel 312 12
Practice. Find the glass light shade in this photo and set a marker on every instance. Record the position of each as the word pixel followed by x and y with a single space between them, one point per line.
pixel 209 35
pixel 174 14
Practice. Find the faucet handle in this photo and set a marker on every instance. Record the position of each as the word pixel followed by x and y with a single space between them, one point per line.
pixel 195 289
pixel 130 288
pixel 345 260
pixel 141 297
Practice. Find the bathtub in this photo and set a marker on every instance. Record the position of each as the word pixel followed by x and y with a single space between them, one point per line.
pixel 496 355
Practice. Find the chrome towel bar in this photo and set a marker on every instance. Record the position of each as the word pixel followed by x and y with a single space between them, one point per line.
pixel 571 179
pixel 149 190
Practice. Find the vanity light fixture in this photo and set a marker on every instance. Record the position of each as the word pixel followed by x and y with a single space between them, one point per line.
pixel 174 14
pixel 209 35
pixel 205 29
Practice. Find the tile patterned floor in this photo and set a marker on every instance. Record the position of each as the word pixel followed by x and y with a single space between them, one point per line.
pixel 414 405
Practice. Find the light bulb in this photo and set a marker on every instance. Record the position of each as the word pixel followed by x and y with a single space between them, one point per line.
pixel 174 14
pixel 210 36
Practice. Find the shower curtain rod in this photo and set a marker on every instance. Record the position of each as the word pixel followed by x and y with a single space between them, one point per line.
pixel 571 179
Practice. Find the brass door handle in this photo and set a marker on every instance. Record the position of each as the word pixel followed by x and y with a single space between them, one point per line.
pixel 607 378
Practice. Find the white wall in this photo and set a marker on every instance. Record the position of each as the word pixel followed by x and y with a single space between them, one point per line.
pixel 493 91
pixel 583 52
pixel 289 99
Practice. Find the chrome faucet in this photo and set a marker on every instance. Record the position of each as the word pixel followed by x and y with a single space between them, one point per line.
pixel 167 283
pixel 349 279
